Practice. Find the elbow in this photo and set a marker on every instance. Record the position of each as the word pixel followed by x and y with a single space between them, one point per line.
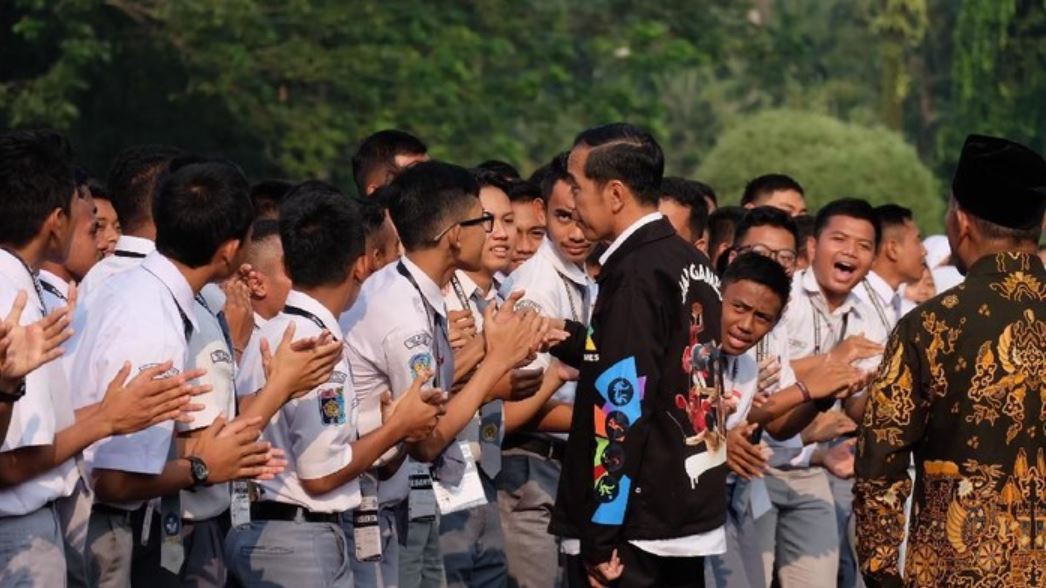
pixel 427 451
pixel 318 486
pixel 108 490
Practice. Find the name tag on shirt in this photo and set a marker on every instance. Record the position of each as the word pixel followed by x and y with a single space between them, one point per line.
pixel 468 494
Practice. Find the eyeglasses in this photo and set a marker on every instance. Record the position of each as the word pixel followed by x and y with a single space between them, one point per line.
pixel 785 257
pixel 486 219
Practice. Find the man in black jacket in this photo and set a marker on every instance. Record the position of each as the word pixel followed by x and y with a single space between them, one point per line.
pixel 644 473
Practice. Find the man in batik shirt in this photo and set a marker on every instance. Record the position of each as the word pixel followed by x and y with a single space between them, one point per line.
pixel 963 386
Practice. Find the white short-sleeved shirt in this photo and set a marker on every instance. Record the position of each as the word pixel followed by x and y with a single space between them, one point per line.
pixel 209 350
pixel 787 452
pixel 42 412
pixel 140 316
pixel 741 380
pixel 877 295
pixel 54 289
pixel 316 431
pixel 557 288
pixel 130 251
pixel 389 335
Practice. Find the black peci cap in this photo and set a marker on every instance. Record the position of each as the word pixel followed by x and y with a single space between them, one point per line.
pixel 1001 182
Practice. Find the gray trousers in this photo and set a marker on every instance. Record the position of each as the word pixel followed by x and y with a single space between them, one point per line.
pixel 288 553
pixel 420 560
pixel 800 534
pixel 74 515
pixel 473 546
pixel 375 574
pixel 526 494
pixel 742 564
pixel 842 492
pixel 32 550
pixel 204 565
pixel 110 544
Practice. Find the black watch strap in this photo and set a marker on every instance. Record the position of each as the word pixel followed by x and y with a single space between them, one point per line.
pixel 16 395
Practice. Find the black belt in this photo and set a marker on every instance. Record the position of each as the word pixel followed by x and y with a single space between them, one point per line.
pixel 547 448
pixel 105 509
pixel 278 511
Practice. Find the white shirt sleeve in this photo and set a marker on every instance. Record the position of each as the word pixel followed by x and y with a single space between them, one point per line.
pixel 320 432
pixel 144 346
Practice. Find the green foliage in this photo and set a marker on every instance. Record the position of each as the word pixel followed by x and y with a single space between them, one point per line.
pixel 830 158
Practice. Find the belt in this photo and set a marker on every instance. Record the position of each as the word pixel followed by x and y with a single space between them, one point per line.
pixel 279 511
pixel 547 448
pixel 105 509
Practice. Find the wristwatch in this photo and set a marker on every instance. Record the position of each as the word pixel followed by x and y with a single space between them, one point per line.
pixel 15 395
pixel 199 471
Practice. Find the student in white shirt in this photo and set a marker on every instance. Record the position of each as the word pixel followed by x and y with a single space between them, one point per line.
pixel 145 315
pixel 557 285
pixel 264 274
pixel 529 211
pixel 399 326
pixel 132 180
pixel 107 224
pixel 295 536
pixel 776 190
pixel 41 210
pixel 83 254
pixel 384 155
pixel 683 204
pixel 901 260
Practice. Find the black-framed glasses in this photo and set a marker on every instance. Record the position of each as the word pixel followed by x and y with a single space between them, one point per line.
pixel 486 219
pixel 785 257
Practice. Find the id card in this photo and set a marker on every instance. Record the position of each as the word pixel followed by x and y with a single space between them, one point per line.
pixel 240 508
pixel 467 494
pixel 365 527
pixel 421 502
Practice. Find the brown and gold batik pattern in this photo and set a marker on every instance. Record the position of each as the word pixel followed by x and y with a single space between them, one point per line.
pixel 962 388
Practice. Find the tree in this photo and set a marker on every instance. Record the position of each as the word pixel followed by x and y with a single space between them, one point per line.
pixel 829 157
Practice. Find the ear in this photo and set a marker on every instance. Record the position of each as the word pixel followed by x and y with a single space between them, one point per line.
pixel 811 247
pixel 732 256
pixel 702 244
pixel 257 284
pixel 539 208
pixel 227 252
pixel 361 268
pixel 890 248
pixel 615 191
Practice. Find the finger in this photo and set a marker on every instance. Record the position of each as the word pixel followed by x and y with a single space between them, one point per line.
pixel 14 317
pixel 215 427
pixel 288 334
pixel 121 376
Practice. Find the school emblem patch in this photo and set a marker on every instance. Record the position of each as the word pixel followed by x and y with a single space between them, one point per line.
pixel 421 362
pixel 332 407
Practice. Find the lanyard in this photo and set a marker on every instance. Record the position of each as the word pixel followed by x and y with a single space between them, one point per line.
pixel 762 348
pixel 574 314
pixel 439 334
pixel 53 290
pixel 459 290
pixel 817 327
pixel 32 278
pixel 298 311
pixel 877 304
pixel 131 254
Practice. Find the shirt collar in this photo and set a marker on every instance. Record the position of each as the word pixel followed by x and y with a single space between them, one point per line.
pixel 1006 263
pixel 164 270
pixel 642 222
pixel 566 268
pixel 132 244
pixel 468 285
pixel 431 291
pixel 57 283
pixel 299 299
pixel 880 288
pixel 812 289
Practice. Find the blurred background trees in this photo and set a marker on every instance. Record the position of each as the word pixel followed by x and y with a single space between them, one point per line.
pixel 288 87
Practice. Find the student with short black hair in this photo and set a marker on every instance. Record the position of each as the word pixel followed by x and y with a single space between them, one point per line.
pixel 299 513
pixel 528 206
pixel 399 328
pixel 267 195
pixel 900 260
pixel 721 226
pixel 384 155
pixel 777 190
pixel 684 205
pixel 39 492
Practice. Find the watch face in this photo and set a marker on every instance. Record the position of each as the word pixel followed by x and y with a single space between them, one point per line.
pixel 199 470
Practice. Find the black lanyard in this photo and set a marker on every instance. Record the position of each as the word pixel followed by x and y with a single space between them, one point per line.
pixel 817 327
pixel 32 278
pixel 459 290
pixel 187 327
pixel 574 314
pixel 877 304
pixel 298 311
pixel 53 290
pixel 131 254
pixel 437 329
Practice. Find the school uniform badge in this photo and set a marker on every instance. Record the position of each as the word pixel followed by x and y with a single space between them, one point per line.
pixel 332 407
pixel 421 362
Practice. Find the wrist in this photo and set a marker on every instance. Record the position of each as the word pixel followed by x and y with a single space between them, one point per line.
pixel 804 390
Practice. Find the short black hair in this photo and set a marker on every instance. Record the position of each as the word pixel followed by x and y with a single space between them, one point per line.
pixel 688 193
pixel 377 153
pixel 546 176
pixel 134 175
pixel 502 168
pixel 721 225
pixel 524 191
pixel 198 207
pixel 266 196
pixel 98 190
pixel 892 215
pixel 36 177
pixel 761 270
pixel 264 228
pixel 427 197
pixel 851 207
pixel 804 223
pixel 626 153
pixel 489 178
pixel 706 191
pixel 766 216
pixel 322 234
pixel 372 216
pixel 766 185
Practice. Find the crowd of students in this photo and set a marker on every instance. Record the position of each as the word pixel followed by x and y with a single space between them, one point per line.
pixel 208 381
